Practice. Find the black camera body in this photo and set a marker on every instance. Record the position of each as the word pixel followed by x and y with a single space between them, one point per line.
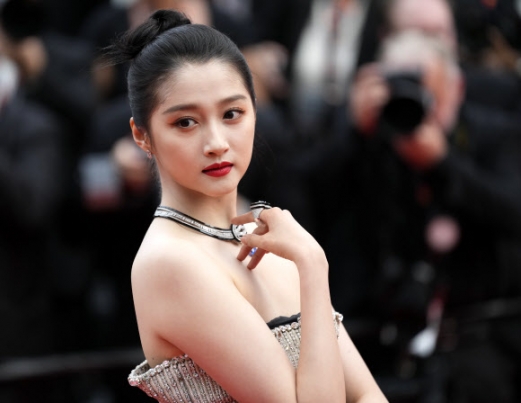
pixel 408 104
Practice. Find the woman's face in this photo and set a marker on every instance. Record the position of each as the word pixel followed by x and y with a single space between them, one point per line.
pixel 202 130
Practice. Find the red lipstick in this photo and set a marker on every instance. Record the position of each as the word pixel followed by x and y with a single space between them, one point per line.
pixel 218 169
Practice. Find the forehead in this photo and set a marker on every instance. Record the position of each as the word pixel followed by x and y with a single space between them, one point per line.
pixel 201 83
pixel 433 68
pixel 426 61
pixel 428 15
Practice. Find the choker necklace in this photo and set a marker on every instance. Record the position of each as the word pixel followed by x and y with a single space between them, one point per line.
pixel 235 233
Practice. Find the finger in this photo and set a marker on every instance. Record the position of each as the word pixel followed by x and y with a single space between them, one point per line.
pixel 262 228
pixel 243 218
pixel 368 70
pixel 254 240
pixel 243 252
pixel 246 249
pixel 255 260
pixel 250 217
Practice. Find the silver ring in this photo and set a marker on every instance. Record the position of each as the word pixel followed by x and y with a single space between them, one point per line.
pixel 256 212
pixel 257 208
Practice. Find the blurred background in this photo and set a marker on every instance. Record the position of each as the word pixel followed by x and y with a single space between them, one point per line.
pixel 391 129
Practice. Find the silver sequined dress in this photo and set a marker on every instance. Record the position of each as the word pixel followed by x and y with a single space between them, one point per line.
pixel 181 380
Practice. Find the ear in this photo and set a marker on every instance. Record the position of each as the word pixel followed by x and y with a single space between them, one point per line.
pixel 140 137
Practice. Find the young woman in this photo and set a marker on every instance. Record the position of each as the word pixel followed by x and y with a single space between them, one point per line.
pixel 220 319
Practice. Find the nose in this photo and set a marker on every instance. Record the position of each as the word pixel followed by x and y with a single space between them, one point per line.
pixel 216 143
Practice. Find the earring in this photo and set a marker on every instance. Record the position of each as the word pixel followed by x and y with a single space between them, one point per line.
pixel 149 154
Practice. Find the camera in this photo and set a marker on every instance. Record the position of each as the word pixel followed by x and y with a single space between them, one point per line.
pixel 408 102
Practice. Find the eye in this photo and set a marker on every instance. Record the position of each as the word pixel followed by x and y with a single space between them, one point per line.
pixel 233 114
pixel 185 123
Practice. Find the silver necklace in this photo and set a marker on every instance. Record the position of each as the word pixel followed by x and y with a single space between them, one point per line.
pixel 235 233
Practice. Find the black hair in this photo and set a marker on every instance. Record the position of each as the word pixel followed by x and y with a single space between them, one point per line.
pixel 162 44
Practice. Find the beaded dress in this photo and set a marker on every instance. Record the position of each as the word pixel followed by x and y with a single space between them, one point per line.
pixel 181 380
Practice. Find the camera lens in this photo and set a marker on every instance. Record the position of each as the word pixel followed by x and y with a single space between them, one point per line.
pixel 408 103
pixel 403 114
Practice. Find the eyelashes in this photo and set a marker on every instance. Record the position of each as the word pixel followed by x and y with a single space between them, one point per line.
pixel 188 122
pixel 233 114
pixel 185 123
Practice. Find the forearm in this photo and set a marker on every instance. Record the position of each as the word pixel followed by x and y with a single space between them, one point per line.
pixel 375 397
pixel 320 374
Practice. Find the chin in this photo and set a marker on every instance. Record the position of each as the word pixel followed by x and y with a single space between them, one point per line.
pixel 221 190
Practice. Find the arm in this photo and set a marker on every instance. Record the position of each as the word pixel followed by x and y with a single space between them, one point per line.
pixel 319 373
pixel 360 384
pixel 325 364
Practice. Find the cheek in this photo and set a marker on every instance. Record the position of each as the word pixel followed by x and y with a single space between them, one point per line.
pixel 245 136
pixel 174 153
pixel 243 147
pixel 249 142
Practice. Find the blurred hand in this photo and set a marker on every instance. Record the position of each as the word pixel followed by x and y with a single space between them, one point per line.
pixel 279 233
pixel 369 93
pixel 500 55
pixel 132 164
pixel 424 148
pixel 31 56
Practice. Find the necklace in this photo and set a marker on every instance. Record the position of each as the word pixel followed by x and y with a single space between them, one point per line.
pixel 235 233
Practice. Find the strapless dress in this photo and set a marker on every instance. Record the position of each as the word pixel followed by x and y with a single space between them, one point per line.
pixel 181 380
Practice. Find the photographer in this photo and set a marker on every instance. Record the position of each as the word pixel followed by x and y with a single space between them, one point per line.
pixel 433 209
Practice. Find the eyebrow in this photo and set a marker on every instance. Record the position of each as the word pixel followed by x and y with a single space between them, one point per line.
pixel 183 107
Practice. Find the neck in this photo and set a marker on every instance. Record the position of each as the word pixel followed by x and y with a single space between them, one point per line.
pixel 215 211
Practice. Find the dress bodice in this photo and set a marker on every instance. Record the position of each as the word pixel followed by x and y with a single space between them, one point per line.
pixel 181 380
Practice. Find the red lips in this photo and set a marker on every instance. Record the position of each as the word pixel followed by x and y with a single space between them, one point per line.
pixel 218 169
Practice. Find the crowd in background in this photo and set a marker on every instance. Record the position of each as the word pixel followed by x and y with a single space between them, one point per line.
pixel 422 231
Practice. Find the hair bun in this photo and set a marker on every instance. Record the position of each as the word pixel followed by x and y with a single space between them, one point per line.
pixel 168 19
pixel 129 45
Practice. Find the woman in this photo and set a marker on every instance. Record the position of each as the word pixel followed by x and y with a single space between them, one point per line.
pixel 203 294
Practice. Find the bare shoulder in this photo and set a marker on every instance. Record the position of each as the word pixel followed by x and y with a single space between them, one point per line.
pixel 158 250
pixel 171 279
pixel 165 259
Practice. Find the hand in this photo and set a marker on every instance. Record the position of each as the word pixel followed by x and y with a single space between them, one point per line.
pixel 368 95
pixel 132 165
pixel 424 148
pixel 32 57
pixel 500 55
pixel 279 233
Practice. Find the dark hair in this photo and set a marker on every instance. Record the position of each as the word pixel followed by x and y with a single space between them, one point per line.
pixel 161 45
